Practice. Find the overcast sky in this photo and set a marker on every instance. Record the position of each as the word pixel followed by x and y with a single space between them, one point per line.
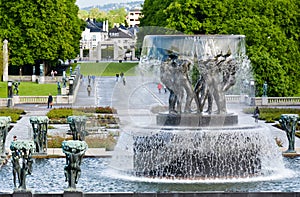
pixel 86 3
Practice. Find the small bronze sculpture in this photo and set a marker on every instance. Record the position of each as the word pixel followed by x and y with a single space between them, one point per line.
pixel 40 128
pixel 21 150
pixel 74 151
pixel 288 123
pixel 77 127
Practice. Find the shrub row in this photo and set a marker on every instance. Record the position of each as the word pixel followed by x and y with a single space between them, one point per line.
pixel 272 114
pixel 14 113
pixel 92 142
pixel 65 112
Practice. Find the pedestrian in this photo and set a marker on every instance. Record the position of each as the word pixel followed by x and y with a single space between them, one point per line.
pixel 15 138
pixel 117 77
pixel 50 101
pixel 52 74
pixel 159 87
pixel 89 78
pixel 124 81
pixel 89 89
pixel 165 88
pixel 256 114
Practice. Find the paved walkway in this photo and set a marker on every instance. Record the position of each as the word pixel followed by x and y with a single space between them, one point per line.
pixel 130 104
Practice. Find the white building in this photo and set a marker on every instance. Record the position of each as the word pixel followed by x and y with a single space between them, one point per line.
pixel 133 16
pixel 98 43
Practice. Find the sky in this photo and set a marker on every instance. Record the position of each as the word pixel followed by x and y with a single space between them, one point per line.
pixel 86 3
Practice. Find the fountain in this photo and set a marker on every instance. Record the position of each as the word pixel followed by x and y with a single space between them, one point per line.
pixel 172 143
pixel 185 142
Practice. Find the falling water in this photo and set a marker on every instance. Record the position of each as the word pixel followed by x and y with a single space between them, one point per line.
pixel 187 152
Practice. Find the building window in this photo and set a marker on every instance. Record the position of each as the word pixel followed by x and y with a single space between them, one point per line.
pixel 94 37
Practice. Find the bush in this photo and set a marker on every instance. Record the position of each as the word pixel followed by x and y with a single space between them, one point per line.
pixel 92 142
pixel 98 142
pixel 56 141
pixel 63 113
pixel 272 114
pixel 14 113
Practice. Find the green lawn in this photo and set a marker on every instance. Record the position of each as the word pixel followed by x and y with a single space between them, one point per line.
pixel 30 89
pixel 97 69
pixel 107 68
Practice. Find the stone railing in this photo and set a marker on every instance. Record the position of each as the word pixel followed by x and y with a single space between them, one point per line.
pixel 234 98
pixel 30 78
pixel 276 101
pixel 37 100
pixel 42 99
pixel 3 102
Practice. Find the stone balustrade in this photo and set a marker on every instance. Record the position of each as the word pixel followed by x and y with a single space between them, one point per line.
pixel 271 101
pixel 283 101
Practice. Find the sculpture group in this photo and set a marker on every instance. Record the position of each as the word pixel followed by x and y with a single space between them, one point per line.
pixel 22 150
pixel 217 75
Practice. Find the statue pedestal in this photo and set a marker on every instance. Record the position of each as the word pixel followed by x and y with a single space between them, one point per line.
pixel 196 120
pixel 72 193
pixel 41 80
pixel 63 91
pixel 22 193
pixel 264 100
pixel 33 78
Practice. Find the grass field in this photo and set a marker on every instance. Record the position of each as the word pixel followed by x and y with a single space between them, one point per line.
pixel 96 69
pixel 30 89
pixel 107 68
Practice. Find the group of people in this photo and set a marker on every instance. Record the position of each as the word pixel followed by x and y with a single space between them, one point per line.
pixel 121 75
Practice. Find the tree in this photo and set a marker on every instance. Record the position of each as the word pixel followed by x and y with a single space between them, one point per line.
pixel 116 16
pixel 40 31
pixel 97 14
pixel 271 28
pixel 153 13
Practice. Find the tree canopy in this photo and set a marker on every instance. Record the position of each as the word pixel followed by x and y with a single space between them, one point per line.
pixel 116 16
pixel 40 31
pixel 271 27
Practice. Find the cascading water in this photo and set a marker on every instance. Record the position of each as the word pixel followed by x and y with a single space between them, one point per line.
pixel 188 143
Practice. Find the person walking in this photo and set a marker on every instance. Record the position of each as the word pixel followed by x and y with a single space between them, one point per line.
pixel 256 114
pixel 159 87
pixel 50 101
pixel 89 89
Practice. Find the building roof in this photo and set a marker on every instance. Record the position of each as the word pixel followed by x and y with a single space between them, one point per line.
pixel 118 33
pixel 94 26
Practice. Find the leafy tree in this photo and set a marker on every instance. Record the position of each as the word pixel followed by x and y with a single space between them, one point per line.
pixel 40 31
pixel 116 16
pixel 83 14
pixel 271 27
pixel 97 14
pixel 1 59
pixel 153 13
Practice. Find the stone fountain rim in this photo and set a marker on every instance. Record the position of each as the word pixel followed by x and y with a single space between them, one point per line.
pixel 217 36
pixel 200 129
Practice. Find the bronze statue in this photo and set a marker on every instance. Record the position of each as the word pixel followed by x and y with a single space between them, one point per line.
pixel 288 122
pixel 77 127
pixel 40 129
pixel 219 75
pixel 21 149
pixel 174 75
pixel 74 151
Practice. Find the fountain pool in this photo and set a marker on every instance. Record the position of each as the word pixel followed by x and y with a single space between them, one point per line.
pixel 97 176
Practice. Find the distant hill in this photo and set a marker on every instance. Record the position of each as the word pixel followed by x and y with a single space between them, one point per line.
pixel 113 6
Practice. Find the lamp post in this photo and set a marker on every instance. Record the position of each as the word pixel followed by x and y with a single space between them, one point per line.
pixel 70 70
pixel 252 92
pixel 71 81
pixel 58 88
pixel 9 93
